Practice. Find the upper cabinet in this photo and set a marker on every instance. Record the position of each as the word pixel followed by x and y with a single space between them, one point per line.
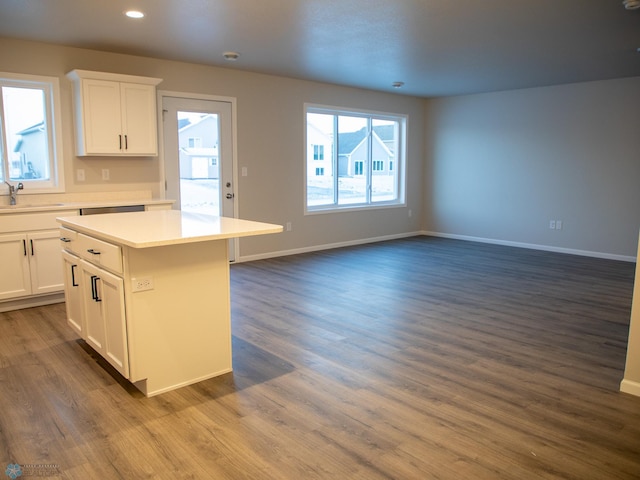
pixel 115 114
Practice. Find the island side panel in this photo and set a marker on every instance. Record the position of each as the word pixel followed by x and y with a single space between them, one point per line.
pixel 180 331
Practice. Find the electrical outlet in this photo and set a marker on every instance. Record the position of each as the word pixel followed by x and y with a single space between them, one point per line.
pixel 558 224
pixel 105 174
pixel 80 174
pixel 552 224
pixel 288 226
pixel 245 172
pixel 142 284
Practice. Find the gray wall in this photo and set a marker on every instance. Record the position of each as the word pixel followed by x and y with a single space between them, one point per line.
pixel 495 166
pixel 270 128
pixel 501 165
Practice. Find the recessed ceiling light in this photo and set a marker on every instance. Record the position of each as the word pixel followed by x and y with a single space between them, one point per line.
pixel 134 14
pixel 397 84
pixel 631 4
pixel 231 56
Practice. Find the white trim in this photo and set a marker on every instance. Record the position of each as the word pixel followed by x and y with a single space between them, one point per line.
pixel 53 119
pixel 327 246
pixel 631 387
pixel 533 246
pixel 400 160
pixel 363 241
pixel 32 301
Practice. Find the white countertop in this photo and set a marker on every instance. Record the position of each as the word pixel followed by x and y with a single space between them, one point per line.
pixel 164 227
pixel 25 207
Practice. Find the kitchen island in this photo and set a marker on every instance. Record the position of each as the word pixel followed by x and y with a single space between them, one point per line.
pixel 149 291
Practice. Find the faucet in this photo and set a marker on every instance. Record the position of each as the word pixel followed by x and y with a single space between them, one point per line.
pixel 13 192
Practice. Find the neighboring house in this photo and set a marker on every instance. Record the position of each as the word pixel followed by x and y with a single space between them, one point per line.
pixel 352 152
pixel 198 148
pixel 31 153
pixel 319 153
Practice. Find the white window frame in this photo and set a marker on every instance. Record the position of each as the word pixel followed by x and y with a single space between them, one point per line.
pixel 53 109
pixel 400 160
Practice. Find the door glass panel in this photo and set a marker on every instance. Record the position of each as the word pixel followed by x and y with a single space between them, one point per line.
pixel 198 143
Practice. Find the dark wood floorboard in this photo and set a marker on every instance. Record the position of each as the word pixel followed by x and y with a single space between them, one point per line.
pixel 420 358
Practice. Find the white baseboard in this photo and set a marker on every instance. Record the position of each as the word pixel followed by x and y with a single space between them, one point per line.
pixel 316 248
pixel 547 248
pixel 633 388
pixel 327 246
pixel 29 302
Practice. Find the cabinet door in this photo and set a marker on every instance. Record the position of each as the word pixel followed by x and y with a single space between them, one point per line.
pixel 139 119
pixel 111 290
pixel 73 292
pixel 14 280
pixel 94 325
pixel 101 118
pixel 43 250
pixel 105 318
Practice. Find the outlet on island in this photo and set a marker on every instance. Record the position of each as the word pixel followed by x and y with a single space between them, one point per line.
pixel 142 284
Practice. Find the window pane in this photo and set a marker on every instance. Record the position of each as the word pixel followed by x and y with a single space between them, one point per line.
pixel 320 180
pixel 353 152
pixel 353 159
pixel 384 178
pixel 27 135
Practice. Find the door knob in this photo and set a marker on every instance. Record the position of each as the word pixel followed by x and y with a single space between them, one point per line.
pixel 229 195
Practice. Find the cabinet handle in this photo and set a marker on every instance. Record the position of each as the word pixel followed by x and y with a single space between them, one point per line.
pixel 24 247
pixel 94 288
pixel 126 143
pixel 93 252
pixel 65 239
pixel 31 242
pixel 120 140
pixel 73 276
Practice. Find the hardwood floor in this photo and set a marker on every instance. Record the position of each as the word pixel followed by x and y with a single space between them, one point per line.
pixel 420 358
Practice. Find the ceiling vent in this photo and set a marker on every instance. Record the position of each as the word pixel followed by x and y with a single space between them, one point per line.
pixel 631 4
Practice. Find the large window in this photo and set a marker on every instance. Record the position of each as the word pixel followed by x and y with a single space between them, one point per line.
pixel 30 136
pixel 365 166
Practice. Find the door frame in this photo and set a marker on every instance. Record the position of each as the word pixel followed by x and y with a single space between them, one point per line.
pixel 234 139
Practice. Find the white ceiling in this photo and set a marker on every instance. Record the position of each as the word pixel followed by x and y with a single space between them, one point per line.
pixel 436 47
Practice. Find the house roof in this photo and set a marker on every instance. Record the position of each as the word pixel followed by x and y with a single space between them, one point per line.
pixel 38 127
pixel 189 124
pixel 349 141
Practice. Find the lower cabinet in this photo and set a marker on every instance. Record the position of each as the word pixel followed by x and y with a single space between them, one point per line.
pixel 73 292
pixel 30 264
pixel 95 309
pixel 105 321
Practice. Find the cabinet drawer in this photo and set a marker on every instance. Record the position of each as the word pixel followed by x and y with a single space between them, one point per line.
pixel 99 252
pixel 69 240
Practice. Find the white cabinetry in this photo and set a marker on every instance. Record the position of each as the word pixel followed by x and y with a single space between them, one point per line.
pixel 103 301
pixel 115 114
pixel 95 297
pixel 156 292
pixel 30 256
pixel 73 292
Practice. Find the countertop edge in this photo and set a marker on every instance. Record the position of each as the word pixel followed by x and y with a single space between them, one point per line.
pixel 16 209
pixel 260 229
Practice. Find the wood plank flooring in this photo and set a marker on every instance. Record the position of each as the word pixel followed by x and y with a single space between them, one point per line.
pixel 420 358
